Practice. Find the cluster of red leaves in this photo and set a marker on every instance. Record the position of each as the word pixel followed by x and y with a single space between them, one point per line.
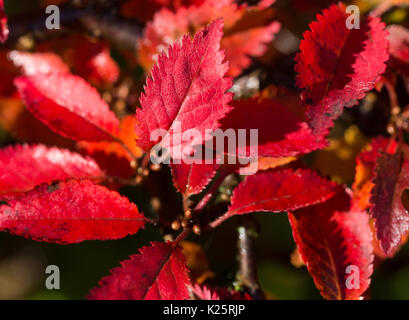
pixel 57 195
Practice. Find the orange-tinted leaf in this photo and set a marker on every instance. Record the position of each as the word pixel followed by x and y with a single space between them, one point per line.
pixel 112 157
pixel 24 126
pixel 365 168
pixel 196 261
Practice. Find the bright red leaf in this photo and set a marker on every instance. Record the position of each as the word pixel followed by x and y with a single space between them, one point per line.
pixel 24 167
pixel 33 63
pixel 192 178
pixel 277 191
pixel 335 241
pixel 338 65
pixel 70 212
pixel 68 105
pixel 187 92
pixel 158 272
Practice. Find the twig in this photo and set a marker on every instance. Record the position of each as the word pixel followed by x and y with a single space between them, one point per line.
pixel 247 275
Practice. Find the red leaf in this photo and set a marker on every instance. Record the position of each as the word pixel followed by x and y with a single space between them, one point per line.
pixel 187 89
pixel 365 168
pixel 265 3
pixel 240 46
pixel 390 215
pixel 88 57
pixel 331 237
pixel 248 29
pixel 94 62
pixel 277 191
pixel 112 157
pixel 280 132
pixel 24 126
pixel 338 65
pixel 202 292
pixel 24 167
pixel 399 49
pixel 205 293
pixel 68 105
pixel 192 178
pixel 33 63
pixel 70 212
pixel 158 272
pixel 4 30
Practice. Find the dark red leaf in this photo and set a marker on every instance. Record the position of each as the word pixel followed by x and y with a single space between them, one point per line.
pixel 338 65
pixel 24 167
pixel 187 89
pixel 68 105
pixel 70 212
pixel 277 191
pixel 331 237
pixel 390 215
pixel 158 272
pixel 280 132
